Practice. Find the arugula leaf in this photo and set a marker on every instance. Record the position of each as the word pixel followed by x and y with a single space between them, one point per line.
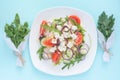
pixel 72 62
pixel 67 65
pixel 73 22
pixel 17 20
pixel 40 52
pixel 51 28
pixel 66 18
pixel 105 25
pixel 80 28
pixel 25 24
pixel 78 57
pixel 60 21
pixel 16 32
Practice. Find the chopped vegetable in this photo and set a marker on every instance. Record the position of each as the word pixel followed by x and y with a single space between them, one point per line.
pixel 68 55
pixel 42 30
pixel 79 38
pixel 75 18
pixel 47 42
pixel 56 57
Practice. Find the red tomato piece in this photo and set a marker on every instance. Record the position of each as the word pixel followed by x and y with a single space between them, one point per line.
pixel 47 42
pixel 44 22
pixel 76 18
pixel 79 38
pixel 42 30
pixel 56 57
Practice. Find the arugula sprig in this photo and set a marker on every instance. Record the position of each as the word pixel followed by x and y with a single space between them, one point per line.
pixel 40 52
pixel 67 65
pixel 105 25
pixel 16 31
pixel 77 59
pixel 80 28
pixel 61 21
pixel 51 28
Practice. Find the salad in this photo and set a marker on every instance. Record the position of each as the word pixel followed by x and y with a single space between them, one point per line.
pixel 62 41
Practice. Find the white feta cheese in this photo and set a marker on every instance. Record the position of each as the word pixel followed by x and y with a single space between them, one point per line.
pixel 67 25
pixel 52 49
pixel 74 28
pixel 66 29
pixel 66 34
pixel 73 36
pixel 61 38
pixel 46 50
pixel 56 35
pixel 59 27
pixel 70 44
pixel 62 48
pixel 54 41
pixel 49 34
pixel 70 24
pixel 62 43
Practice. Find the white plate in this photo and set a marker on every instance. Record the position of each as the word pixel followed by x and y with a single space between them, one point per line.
pixel 47 66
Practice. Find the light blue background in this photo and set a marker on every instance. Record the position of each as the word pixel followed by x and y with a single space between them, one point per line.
pixel 28 9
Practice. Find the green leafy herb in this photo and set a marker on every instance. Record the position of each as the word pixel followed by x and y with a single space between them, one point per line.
pixel 105 25
pixel 66 18
pixel 16 32
pixel 67 65
pixel 73 22
pixel 80 28
pixel 40 52
pixel 77 59
pixel 51 28
pixel 60 21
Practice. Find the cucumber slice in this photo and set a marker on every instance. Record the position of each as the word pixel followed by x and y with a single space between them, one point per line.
pixel 83 51
pixel 68 54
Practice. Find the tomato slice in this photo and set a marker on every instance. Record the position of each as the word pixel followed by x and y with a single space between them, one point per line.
pixel 42 30
pixel 56 57
pixel 47 42
pixel 44 22
pixel 76 18
pixel 79 38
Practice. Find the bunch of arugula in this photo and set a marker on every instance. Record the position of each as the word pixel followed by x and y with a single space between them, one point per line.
pixel 105 34
pixel 16 31
pixel 105 25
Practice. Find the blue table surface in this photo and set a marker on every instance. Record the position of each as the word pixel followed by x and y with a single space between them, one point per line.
pixel 28 9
